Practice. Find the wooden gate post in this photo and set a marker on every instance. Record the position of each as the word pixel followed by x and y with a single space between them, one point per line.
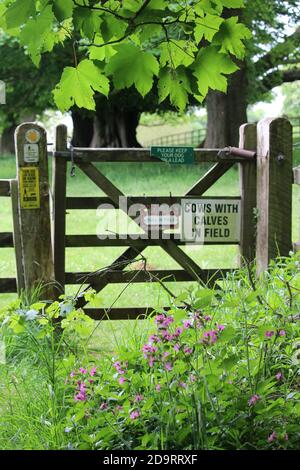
pixel 34 213
pixel 248 141
pixel 59 183
pixel 274 190
pixel 296 245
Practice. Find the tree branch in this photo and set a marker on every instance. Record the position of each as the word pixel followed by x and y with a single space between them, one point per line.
pixel 277 78
pixel 279 53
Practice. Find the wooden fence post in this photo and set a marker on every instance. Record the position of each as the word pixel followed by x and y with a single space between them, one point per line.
pixel 248 141
pixel 34 213
pixel 296 245
pixel 59 183
pixel 14 194
pixel 274 190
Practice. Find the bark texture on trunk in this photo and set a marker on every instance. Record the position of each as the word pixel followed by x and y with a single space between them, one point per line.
pixel 109 126
pixel 82 128
pixel 226 113
pixel 115 128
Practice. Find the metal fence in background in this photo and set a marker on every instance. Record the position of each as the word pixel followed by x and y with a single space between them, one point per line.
pixel 196 136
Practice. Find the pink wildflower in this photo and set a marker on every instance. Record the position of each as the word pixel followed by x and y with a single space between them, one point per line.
pixel 122 380
pixel 154 339
pixel 148 348
pixel 168 366
pixel 269 334
pixel 177 347
pixel 158 388
pixel 178 331
pixel 138 398
pixel 117 365
pixel 167 336
pixel 81 396
pixel 182 384
pixel 253 400
pixel 221 327
pixel 82 370
pixel 167 321
pixel 103 406
pixel 151 361
pixel 187 324
pixel 192 378
pixel 207 318
pixel 210 336
pixel 93 371
pixel 159 318
pixel 72 375
pixel 134 415
pixel 187 350
pixel 282 333
pixel 272 437
pixel 279 376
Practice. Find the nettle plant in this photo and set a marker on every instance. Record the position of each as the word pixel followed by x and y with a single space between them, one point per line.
pixel 222 373
pixel 182 48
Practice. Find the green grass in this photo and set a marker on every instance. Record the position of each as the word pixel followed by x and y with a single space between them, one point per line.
pixel 132 179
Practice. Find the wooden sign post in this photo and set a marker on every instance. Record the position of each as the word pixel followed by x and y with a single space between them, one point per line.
pixel 34 212
pixel 274 190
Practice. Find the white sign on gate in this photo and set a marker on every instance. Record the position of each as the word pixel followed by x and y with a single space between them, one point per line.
pixel 210 220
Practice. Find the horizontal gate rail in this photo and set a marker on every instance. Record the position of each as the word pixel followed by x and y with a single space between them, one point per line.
pixel 6 240
pixel 4 188
pixel 127 155
pixel 120 313
pixel 95 202
pixel 134 276
pixel 81 241
pixel 7 285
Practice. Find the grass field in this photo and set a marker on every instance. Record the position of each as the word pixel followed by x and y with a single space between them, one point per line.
pixel 132 179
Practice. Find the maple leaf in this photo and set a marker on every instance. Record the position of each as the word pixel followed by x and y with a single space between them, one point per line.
pixel 78 84
pixel 131 66
pixel 100 51
pixel 35 32
pixel 19 12
pixel 207 27
pixel 176 85
pixel 63 9
pixel 177 52
pixel 231 36
pixel 211 68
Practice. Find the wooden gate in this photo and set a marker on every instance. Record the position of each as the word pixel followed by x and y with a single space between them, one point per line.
pixel 265 160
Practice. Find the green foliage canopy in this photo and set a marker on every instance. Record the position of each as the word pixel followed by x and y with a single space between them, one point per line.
pixel 186 47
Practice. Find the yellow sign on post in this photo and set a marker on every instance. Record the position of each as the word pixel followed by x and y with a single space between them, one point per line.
pixel 30 187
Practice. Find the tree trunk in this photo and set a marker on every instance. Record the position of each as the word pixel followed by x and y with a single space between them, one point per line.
pixel 7 145
pixel 226 113
pixel 115 128
pixel 82 128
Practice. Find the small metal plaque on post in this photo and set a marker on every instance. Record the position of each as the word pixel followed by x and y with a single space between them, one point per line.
pixel 31 153
pixel 174 155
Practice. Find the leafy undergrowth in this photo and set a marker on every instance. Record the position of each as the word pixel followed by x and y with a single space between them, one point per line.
pixel 219 370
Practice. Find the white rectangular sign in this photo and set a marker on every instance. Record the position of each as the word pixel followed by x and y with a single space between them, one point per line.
pixel 31 153
pixel 213 220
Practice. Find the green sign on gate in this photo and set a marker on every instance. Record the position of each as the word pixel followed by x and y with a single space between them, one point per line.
pixel 181 155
